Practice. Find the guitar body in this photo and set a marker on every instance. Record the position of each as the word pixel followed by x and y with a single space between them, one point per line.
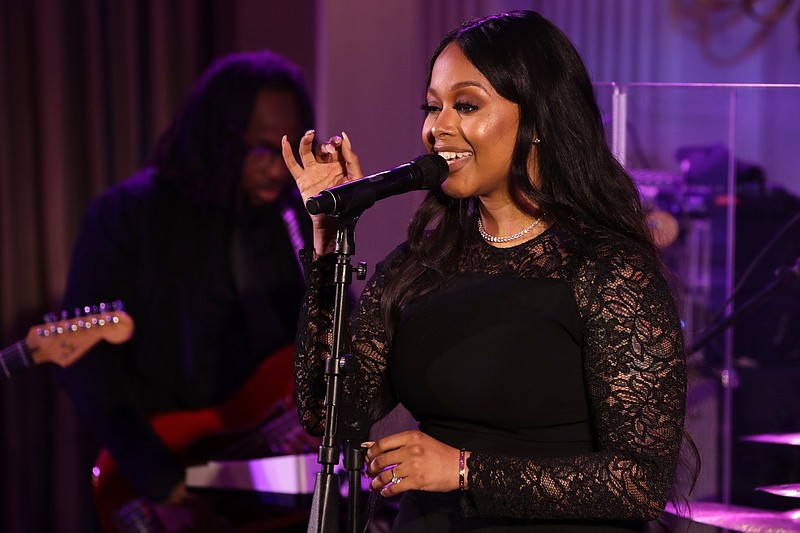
pixel 268 390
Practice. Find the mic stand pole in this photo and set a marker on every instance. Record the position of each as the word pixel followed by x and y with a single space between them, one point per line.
pixel 783 276
pixel 325 504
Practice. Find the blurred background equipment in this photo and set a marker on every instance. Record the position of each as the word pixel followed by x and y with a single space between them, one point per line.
pixel 688 210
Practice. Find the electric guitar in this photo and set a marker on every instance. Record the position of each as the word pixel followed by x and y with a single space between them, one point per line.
pixel 261 411
pixel 64 341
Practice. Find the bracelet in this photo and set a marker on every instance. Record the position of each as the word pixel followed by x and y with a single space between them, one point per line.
pixel 462 464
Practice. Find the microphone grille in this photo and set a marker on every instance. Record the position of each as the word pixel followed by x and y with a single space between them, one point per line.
pixel 433 168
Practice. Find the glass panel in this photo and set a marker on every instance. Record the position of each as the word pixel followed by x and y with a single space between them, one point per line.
pixel 716 165
pixel 766 347
pixel 604 92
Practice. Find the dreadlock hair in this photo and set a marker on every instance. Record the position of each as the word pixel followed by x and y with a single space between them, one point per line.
pixel 203 150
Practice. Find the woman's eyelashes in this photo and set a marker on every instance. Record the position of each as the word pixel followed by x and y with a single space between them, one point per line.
pixel 465 107
pixel 461 107
pixel 429 108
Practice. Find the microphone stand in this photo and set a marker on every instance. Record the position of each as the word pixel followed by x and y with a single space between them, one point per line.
pixel 783 276
pixel 339 424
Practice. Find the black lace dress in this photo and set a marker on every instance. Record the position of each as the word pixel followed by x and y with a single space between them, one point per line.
pixel 558 362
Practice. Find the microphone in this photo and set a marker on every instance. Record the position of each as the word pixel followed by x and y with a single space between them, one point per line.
pixel 423 173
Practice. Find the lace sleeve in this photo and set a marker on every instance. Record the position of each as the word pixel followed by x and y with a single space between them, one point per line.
pixel 313 345
pixel 365 340
pixel 635 372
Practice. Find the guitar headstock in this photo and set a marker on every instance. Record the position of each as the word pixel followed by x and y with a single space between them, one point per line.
pixel 64 340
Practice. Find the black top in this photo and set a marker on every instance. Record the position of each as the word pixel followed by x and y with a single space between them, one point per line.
pixel 211 292
pixel 462 364
pixel 558 362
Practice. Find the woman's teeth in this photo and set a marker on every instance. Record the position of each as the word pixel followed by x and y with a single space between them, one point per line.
pixel 453 156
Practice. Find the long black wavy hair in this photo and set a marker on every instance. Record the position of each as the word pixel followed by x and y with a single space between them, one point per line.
pixel 202 152
pixel 582 186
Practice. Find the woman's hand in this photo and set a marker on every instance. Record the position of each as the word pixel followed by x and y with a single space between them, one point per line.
pixel 334 163
pixel 415 461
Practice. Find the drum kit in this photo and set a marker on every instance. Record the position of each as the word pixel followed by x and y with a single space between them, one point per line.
pixel 749 519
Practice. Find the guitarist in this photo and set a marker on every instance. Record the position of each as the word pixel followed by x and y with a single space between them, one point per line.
pixel 202 246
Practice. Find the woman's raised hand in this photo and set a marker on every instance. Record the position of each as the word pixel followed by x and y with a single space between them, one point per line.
pixel 334 163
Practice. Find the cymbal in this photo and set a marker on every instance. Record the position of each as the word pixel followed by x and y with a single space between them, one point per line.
pixel 775 438
pixel 738 518
pixel 792 490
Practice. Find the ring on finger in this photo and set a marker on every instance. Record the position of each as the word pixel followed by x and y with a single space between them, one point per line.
pixel 395 480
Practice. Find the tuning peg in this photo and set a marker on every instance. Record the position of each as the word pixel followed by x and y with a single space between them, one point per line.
pixel 66 324
pixel 101 319
pixel 104 317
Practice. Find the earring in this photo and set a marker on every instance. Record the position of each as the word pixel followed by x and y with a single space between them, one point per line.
pixel 536 140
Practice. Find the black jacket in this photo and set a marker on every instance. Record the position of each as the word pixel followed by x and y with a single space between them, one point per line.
pixel 211 292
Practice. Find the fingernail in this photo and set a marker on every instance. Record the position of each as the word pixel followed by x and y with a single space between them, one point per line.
pixel 309 132
pixel 367 444
pixel 346 138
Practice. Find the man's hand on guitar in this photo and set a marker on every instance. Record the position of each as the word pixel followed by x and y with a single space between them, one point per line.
pixel 295 441
pixel 189 513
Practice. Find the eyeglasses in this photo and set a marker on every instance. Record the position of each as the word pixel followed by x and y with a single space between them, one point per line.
pixel 265 151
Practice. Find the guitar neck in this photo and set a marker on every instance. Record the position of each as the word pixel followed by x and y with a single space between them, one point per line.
pixel 15 357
